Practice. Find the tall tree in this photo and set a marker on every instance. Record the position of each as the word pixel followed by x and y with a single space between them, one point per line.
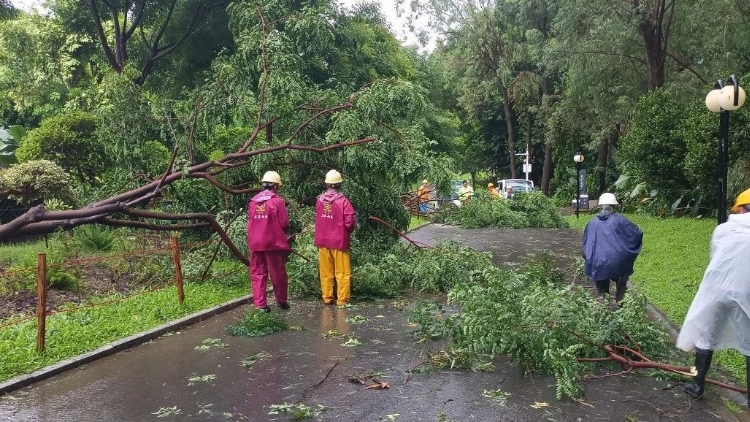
pixel 138 32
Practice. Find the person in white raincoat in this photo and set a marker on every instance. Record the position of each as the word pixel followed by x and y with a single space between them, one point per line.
pixel 719 317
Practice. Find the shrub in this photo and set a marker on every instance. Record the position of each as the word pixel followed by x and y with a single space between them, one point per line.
pixel 35 180
pixel 95 238
pixel 70 140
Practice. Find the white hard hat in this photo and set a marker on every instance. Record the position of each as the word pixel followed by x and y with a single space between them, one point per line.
pixel 271 177
pixel 333 177
pixel 608 199
pixel 424 182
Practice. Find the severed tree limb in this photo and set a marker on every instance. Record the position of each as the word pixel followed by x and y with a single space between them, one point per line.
pixel 208 218
pixel 400 233
pixel 224 188
pixel 218 245
pixel 630 365
pixel 150 226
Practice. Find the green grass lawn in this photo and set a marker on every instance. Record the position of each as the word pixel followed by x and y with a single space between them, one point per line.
pixel 18 252
pixel 671 266
pixel 76 332
pixel 416 222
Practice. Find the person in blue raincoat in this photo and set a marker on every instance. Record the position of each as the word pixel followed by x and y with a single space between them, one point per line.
pixel 611 243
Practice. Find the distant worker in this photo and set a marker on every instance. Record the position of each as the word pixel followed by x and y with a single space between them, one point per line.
pixel 423 195
pixel 719 317
pixel 611 243
pixel 465 192
pixel 492 190
pixel 335 220
pixel 267 227
pixel 509 193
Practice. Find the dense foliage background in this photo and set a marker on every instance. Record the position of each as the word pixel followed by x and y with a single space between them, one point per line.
pixel 107 93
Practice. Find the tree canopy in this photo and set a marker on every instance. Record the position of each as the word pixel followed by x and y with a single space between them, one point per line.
pixel 130 94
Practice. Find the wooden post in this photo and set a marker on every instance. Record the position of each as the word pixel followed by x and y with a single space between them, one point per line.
pixel 41 300
pixel 178 269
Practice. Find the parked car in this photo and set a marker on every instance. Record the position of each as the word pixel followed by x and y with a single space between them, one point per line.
pixel 516 185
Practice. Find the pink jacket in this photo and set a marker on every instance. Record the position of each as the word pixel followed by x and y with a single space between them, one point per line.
pixel 267 223
pixel 335 220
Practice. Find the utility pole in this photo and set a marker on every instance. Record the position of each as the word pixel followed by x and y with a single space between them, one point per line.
pixel 526 163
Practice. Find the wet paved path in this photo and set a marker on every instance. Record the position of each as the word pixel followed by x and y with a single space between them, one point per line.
pixel 304 366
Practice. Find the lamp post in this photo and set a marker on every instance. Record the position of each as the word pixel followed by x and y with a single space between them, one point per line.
pixel 723 99
pixel 578 158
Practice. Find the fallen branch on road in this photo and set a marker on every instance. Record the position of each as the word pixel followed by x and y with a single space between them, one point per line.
pixel 418 245
pixel 645 363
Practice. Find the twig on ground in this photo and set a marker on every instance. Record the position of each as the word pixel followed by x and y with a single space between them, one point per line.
pixel 308 389
pixel 408 374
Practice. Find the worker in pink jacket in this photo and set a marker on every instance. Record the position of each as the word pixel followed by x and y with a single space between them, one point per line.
pixel 335 220
pixel 267 225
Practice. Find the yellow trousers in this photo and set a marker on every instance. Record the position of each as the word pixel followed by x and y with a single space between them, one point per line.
pixel 335 266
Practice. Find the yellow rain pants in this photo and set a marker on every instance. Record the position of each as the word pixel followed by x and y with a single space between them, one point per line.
pixel 335 266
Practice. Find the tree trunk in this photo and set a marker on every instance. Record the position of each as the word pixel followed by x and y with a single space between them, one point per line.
pixel 547 168
pixel 511 134
pixel 652 38
pixel 606 147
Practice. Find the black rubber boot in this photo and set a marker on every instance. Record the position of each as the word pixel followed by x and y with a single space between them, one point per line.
pixel 602 288
pixel 622 287
pixel 747 375
pixel 702 363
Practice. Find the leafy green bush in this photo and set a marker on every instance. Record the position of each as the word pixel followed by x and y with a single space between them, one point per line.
pixel 95 238
pixel 257 323
pixel 532 209
pixel 70 140
pixel 539 209
pixel 487 212
pixel 38 179
pixel 60 278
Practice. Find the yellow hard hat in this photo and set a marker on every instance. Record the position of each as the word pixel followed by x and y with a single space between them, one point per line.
pixel 490 185
pixel 424 182
pixel 271 177
pixel 333 177
pixel 742 199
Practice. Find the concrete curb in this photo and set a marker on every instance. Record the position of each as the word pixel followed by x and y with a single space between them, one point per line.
pixel 21 381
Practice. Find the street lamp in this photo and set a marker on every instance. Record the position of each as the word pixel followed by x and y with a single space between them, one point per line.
pixel 723 99
pixel 578 158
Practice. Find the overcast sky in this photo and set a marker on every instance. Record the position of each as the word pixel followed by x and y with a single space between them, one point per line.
pixel 24 4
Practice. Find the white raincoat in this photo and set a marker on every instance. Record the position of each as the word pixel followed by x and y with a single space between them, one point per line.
pixel 719 317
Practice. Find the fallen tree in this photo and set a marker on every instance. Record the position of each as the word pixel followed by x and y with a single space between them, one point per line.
pixel 39 220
